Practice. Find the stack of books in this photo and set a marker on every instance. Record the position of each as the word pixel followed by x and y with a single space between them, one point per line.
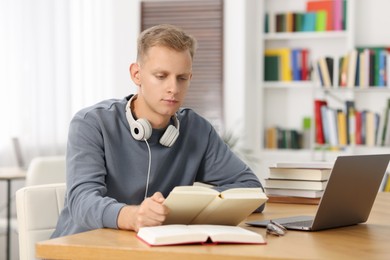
pixel 302 183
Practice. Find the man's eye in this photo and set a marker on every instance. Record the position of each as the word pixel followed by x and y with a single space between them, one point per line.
pixel 160 76
pixel 183 78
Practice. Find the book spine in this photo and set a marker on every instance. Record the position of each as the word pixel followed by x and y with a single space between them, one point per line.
pixel 338 15
pixel 319 134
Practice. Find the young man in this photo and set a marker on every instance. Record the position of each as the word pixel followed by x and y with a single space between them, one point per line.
pixel 125 156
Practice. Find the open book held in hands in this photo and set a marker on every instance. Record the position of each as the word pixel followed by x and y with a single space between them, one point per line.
pixel 191 234
pixel 203 205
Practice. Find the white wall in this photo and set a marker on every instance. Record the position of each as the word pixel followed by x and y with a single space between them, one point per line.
pixel 372 23
pixel 242 46
pixel 126 29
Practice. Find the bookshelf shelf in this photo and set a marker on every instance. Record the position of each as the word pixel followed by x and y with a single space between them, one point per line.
pixel 374 89
pixel 289 84
pixel 305 35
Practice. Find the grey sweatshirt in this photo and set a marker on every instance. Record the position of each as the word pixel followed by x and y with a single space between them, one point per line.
pixel 107 168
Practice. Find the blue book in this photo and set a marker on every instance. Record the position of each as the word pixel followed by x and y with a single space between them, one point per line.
pixel 296 64
pixel 309 22
pixel 382 68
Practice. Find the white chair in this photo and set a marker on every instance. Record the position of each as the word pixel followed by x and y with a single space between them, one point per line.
pixel 46 169
pixel 37 208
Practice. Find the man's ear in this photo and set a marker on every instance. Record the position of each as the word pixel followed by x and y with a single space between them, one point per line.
pixel 135 73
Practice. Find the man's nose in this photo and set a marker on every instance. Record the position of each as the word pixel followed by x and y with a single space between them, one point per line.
pixel 173 85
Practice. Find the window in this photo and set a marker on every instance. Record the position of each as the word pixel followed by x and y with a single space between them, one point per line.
pixel 203 20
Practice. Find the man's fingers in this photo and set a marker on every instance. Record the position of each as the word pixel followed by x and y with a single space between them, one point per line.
pixel 158 197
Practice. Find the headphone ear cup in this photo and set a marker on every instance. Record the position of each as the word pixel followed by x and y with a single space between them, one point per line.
pixel 141 129
pixel 170 136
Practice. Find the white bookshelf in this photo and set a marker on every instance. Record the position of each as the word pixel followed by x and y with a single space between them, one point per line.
pixel 286 103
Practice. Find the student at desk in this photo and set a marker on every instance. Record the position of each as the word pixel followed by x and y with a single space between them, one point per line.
pixel 124 156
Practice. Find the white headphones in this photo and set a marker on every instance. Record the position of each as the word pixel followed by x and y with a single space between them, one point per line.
pixel 141 129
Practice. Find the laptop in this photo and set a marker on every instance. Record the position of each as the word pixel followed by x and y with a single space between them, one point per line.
pixel 348 197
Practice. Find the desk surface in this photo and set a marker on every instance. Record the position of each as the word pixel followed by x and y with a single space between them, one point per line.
pixel 363 241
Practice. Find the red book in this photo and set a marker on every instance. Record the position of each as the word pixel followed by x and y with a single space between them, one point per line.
pixel 323 5
pixel 319 133
pixel 305 64
pixel 358 127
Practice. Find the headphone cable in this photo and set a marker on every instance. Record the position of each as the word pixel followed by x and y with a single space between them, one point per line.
pixel 149 164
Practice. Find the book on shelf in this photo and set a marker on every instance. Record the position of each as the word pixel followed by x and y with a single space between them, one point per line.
pixel 317 15
pixel 296 65
pixel 197 234
pixel 309 22
pixel 321 21
pixel 312 174
pixel 331 123
pixel 352 65
pixel 294 200
pixel 385 128
pixel 272 192
pixel 271 138
pixel 364 67
pixel 280 138
pixel 285 64
pixel 325 70
pixel 295 184
pixel 358 129
pixel 387 70
pixel 204 205
pixel 350 121
pixel 319 133
pixel 343 71
pixel 325 10
pixel 370 129
pixel 338 15
pixel 271 68
pixel 284 61
pixel 305 64
pixel 340 127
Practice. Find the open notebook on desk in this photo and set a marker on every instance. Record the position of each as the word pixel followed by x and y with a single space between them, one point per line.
pixel 348 197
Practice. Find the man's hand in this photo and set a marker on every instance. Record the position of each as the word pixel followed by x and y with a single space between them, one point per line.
pixel 151 212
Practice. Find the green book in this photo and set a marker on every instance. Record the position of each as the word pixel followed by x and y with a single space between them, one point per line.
pixel 345 6
pixel 299 22
pixel 271 68
pixel 386 119
pixel 321 21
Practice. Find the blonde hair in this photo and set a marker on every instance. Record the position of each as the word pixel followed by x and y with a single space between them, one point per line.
pixel 165 35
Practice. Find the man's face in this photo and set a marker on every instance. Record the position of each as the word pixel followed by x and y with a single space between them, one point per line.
pixel 164 78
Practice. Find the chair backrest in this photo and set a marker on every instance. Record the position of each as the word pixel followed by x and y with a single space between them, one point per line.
pixel 45 170
pixel 37 208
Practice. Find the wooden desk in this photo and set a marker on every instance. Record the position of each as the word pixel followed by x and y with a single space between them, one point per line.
pixel 363 241
pixel 9 174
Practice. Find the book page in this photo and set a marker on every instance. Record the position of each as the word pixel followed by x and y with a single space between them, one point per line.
pixel 250 193
pixel 231 207
pixel 171 234
pixel 188 234
pixel 229 234
pixel 185 202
